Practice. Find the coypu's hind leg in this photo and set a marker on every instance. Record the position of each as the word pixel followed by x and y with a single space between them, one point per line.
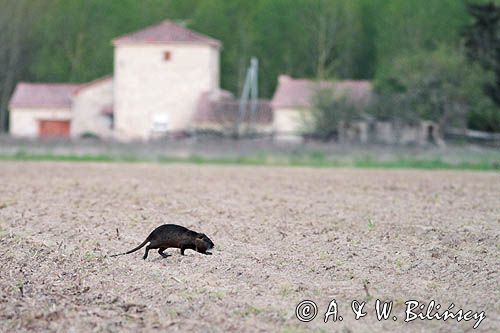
pixel 164 255
pixel 146 252
pixel 154 244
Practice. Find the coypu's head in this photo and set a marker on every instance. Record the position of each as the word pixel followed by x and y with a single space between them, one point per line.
pixel 203 244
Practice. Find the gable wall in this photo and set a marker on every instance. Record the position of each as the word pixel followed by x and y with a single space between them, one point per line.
pixel 146 84
pixel 87 108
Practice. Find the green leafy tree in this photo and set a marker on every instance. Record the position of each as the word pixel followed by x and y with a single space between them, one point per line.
pixel 73 39
pixel 410 26
pixel 482 40
pixel 230 22
pixel 438 85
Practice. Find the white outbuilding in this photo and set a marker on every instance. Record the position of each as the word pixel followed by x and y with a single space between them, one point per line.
pixel 41 110
pixel 293 102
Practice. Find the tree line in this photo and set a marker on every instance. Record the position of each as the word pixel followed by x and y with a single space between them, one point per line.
pixel 397 44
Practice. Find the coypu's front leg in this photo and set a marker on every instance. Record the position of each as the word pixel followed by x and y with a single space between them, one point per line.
pixel 164 255
pixel 185 247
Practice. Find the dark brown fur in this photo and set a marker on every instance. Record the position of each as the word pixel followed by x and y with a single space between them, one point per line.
pixel 174 236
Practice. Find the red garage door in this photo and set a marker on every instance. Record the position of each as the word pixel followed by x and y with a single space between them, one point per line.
pixel 53 128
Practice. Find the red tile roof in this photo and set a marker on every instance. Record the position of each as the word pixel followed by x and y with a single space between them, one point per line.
pixel 166 32
pixel 299 93
pixel 36 95
pixel 93 83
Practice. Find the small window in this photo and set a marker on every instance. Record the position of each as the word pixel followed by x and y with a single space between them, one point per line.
pixel 167 55
pixel 160 123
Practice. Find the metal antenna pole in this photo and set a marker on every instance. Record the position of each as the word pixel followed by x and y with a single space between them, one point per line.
pixel 250 90
pixel 243 102
pixel 254 66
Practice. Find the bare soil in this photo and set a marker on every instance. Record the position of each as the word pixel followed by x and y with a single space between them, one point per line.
pixel 282 235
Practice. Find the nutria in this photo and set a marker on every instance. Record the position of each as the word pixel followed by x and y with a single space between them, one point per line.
pixel 175 236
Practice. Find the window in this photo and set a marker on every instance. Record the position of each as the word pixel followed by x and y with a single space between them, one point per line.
pixel 160 123
pixel 167 55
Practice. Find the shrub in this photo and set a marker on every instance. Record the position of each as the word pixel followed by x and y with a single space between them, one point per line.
pixel 329 110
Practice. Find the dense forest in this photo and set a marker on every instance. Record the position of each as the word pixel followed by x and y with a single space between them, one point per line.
pixel 393 42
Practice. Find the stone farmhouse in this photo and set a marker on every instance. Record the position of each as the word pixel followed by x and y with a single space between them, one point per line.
pixel 160 74
pixel 166 81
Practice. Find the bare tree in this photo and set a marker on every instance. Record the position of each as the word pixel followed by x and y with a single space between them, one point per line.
pixel 325 47
pixel 326 32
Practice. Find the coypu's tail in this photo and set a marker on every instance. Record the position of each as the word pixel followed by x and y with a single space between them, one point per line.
pixel 133 250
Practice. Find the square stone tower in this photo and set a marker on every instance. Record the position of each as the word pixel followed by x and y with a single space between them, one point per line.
pixel 159 75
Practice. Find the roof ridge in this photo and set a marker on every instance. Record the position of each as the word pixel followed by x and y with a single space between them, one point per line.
pixel 166 31
pixel 49 83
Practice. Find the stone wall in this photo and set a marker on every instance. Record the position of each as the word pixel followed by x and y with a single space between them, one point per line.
pixel 91 107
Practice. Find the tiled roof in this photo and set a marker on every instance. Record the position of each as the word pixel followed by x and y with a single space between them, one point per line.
pixel 166 32
pixel 34 95
pixel 299 93
pixel 93 83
